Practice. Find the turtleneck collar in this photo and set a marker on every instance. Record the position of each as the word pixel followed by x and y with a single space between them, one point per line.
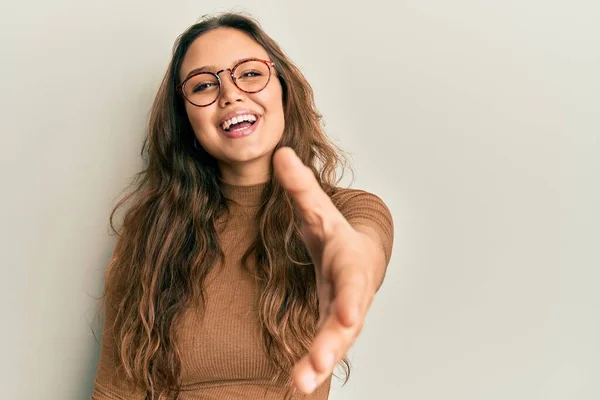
pixel 245 195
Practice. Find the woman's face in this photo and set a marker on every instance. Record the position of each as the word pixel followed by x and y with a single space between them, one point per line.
pixel 244 156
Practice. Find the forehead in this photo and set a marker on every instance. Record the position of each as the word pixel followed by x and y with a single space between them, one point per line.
pixel 220 48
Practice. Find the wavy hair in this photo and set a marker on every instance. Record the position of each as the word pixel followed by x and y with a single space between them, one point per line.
pixel 162 254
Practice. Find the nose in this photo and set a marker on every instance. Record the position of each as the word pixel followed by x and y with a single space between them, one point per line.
pixel 229 91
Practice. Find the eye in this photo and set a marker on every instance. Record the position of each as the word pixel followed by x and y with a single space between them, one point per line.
pixel 200 87
pixel 250 74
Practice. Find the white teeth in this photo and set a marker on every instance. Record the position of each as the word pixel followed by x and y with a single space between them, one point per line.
pixel 236 120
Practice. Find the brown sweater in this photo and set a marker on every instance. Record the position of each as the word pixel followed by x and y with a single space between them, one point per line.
pixel 222 353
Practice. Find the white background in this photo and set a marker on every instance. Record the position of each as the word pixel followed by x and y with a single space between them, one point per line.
pixel 477 122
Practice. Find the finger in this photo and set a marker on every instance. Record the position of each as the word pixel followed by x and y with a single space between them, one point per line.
pixel 351 299
pixel 314 205
pixel 329 347
pixel 325 306
pixel 338 331
pixel 345 269
pixel 305 377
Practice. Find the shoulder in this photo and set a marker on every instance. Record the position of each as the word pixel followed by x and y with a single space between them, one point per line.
pixel 360 207
pixel 348 199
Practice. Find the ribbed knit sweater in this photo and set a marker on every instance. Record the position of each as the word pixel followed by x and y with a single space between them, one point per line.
pixel 222 351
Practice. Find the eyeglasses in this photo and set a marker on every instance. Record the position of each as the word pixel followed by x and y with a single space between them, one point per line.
pixel 203 88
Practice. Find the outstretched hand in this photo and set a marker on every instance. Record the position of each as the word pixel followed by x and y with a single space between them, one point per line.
pixel 349 264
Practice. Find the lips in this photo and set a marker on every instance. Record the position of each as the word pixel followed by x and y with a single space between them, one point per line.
pixel 239 123
pixel 240 130
pixel 233 123
pixel 242 112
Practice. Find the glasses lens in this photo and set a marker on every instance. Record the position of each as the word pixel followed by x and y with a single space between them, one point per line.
pixel 252 76
pixel 201 89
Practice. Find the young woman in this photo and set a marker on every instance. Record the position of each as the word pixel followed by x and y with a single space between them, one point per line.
pixel 241 270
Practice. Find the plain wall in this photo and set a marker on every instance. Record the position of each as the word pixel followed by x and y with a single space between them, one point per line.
pixel 477 122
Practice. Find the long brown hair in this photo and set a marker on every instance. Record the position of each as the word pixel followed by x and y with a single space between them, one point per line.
pixel 168 240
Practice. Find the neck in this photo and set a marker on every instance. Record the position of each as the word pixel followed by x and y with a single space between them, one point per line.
pixel 244 195
pixel 247 173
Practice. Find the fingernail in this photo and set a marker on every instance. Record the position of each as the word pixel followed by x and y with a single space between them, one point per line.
pixel 309 382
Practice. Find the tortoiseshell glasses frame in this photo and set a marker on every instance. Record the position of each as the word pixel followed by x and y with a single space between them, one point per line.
pixel 232 71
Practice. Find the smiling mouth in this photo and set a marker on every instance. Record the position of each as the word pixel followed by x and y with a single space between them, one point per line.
pixel 239 123
pixel 240 126
pixel 239 129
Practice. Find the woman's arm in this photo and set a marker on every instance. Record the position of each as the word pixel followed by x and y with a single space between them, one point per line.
pixel 349 238
pixel 369 215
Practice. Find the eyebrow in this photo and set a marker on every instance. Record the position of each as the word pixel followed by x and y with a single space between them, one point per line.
pixel 211 68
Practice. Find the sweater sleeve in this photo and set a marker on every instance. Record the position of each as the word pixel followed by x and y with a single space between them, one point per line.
pixel 363 208
pixel 110 382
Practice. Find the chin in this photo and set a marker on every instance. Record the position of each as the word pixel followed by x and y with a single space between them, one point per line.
pixel 246 156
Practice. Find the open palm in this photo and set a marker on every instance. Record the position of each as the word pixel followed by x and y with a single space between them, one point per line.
pixel 349 263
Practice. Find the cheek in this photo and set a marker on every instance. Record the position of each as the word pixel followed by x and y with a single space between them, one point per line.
pixel 199 119
pixel 274 105
pixel 280 117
